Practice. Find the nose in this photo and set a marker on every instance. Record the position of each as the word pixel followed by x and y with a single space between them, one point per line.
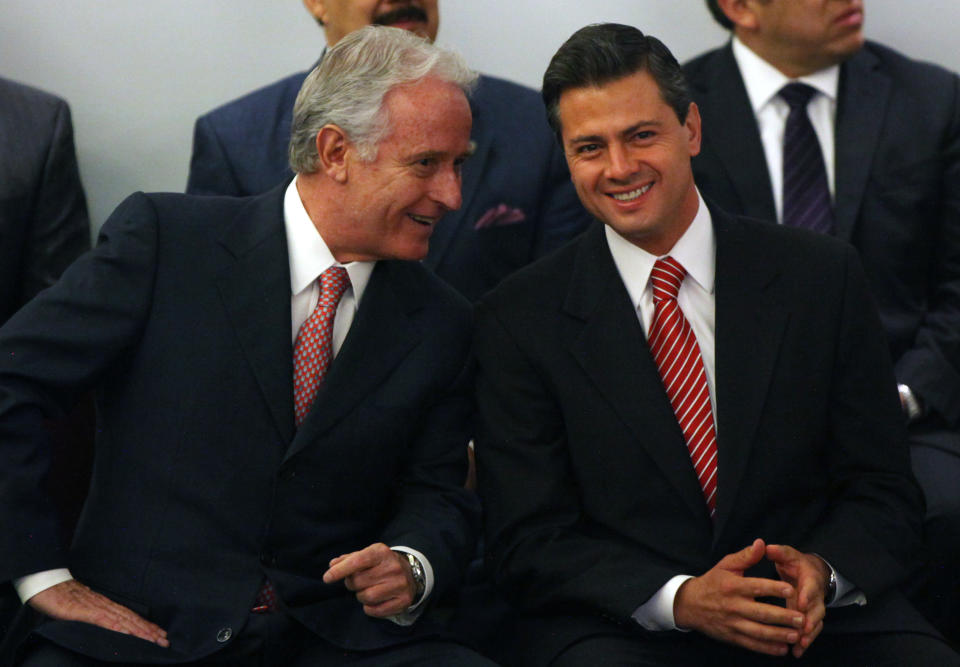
pixel 446 190
pixel 619 165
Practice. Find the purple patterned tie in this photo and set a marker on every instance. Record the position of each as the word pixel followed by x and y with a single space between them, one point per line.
pixel 806 194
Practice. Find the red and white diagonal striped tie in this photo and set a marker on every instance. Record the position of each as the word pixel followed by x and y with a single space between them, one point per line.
pixel 677 354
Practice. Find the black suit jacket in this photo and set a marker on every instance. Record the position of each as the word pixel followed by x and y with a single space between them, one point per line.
pixel 591 502
pixel 201 484
pixel 897 198
pixel 518 202
pixel 43 213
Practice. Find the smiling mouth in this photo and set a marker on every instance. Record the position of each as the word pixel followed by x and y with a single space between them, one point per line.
pixel 422 219
pixel 633 194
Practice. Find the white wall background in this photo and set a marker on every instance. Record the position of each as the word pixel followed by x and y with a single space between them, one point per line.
pixel 137 74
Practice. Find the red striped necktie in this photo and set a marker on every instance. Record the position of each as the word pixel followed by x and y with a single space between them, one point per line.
pixel 675 349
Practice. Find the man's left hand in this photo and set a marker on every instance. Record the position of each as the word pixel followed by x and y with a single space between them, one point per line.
pixel 809 575
pixel 380 577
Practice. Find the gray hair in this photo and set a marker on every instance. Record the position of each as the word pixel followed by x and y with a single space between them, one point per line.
pixel 348 87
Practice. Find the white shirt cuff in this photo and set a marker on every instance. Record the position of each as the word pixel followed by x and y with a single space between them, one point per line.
pixel 656 614
pixel 413 613
pixel 32 584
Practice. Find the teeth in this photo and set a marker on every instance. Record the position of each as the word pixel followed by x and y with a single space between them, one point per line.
pixel 423 220
pixel 633 194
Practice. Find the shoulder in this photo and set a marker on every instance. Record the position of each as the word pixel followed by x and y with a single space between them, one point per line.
pixel 26 106
pixel 700 66
pixel 420 288
pixel 900 67
pixel 277 97
pixel 506 101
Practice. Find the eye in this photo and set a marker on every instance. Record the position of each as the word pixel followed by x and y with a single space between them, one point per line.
pixel 644 134
pixel 584 149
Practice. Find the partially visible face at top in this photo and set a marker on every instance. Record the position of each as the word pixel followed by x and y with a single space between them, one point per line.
pixel 629 158
pixel 341 17
pixel 803 36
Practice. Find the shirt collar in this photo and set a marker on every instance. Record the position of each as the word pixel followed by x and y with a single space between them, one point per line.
pixel 763 81
pixel 695 250
pixel 309 254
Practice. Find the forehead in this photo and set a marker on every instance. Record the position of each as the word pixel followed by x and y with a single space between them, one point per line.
pixel 612 106
pixel 429 115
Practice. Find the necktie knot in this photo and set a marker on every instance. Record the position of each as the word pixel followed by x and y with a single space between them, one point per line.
pixel 666 276
pixel 797 95
pixel 333 283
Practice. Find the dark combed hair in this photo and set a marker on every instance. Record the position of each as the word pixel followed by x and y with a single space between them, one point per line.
pixel 718 14
pixel 605 52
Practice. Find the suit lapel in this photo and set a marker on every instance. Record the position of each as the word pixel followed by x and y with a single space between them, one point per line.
pixel 459 221
pixel 612 350
pixel 730 130
pixel 255 288
pixel 862 86
pixel 750 322
pixel 382 334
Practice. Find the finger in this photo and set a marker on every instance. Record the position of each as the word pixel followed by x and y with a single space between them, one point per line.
pixel 771 615
pixel 758 645
pixel 348 565
pixel 387 608
pixel 782 553
pixel 758 587
pixel 745 558
pixel 377 595
pixel 771 634
pixel 806 641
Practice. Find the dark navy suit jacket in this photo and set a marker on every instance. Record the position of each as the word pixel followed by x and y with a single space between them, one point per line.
pixel 43 212
pixel 518 202
pixel 897 200
pixel 201 484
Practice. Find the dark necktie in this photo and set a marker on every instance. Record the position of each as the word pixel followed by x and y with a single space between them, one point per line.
pixel 806 194
pixel 674 348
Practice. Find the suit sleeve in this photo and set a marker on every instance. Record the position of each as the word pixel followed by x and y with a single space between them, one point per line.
pixel 59 229
pixel 562 214
pixel 543 551
pixel 210 170
pixel 59 344
pixel 932 366
pixel 872 527
pixel 434 513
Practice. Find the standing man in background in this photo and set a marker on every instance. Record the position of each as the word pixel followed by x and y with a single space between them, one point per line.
pixel 518 203
pixel 43 212
pixel 808 124
pixel 43 215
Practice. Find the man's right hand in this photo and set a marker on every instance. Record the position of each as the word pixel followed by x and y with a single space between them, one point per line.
pixel 722 604
pixel 72 601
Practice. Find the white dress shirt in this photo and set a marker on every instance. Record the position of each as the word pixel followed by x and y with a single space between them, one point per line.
pixel 309 256
pixel 763 81
pixel 696 251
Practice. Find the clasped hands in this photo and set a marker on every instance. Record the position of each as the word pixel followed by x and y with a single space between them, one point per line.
pixel 722 603
pixel 379 577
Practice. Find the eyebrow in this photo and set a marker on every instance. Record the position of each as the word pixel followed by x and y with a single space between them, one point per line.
pixel 596 138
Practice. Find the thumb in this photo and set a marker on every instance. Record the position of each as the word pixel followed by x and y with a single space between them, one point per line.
pixel 745 558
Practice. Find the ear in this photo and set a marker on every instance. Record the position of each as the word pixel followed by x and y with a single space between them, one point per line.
pixel 694 128
pixel 332 149
pixel 317 9
pixel 740 12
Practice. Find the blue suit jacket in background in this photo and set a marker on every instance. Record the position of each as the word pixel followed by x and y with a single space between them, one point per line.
pixel 518 201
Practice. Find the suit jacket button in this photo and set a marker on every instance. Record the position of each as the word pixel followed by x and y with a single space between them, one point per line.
pixel 224 635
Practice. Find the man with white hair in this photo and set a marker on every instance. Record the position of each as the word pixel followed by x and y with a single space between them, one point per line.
pixel 282 398
pixel 518 202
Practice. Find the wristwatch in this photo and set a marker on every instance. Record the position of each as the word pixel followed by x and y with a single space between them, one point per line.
pixel 831 591
pixel 419 578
